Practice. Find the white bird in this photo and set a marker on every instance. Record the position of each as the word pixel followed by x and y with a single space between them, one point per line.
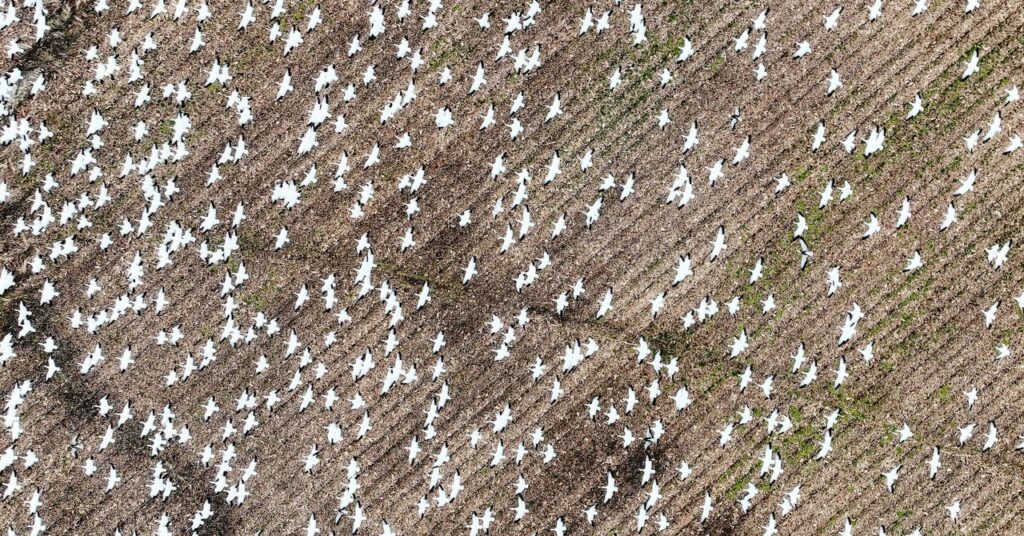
pixel 905 433
pixel 825 446
pixel 718 245
pixel 606 304
pixel 990 314
pixel 934 463
pixel 609 488
pixel 875 10
pixel 916 106
pixel 994 127
pixel 819 137
pixel 904 214
pixel 965 434
pixel 803 48
pixel 831 20
pixel 834 283
pixel 686 51
pixel 872 226
pixel 954 509
pixel 706 507
pixel 949 218
pixel 971 67
pixel 991 438
pixel 692 138
pixel 850 142
pixel 914 262
pixel 740 42
pixel 683 270
pixel 1012 95
pixel 615 79
pixel 891 476
pixel 998 253
pixel 834 82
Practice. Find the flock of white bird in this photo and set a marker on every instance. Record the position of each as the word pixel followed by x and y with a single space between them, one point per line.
pixel 98 208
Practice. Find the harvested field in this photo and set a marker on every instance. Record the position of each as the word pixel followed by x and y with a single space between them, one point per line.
pixel 429 267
